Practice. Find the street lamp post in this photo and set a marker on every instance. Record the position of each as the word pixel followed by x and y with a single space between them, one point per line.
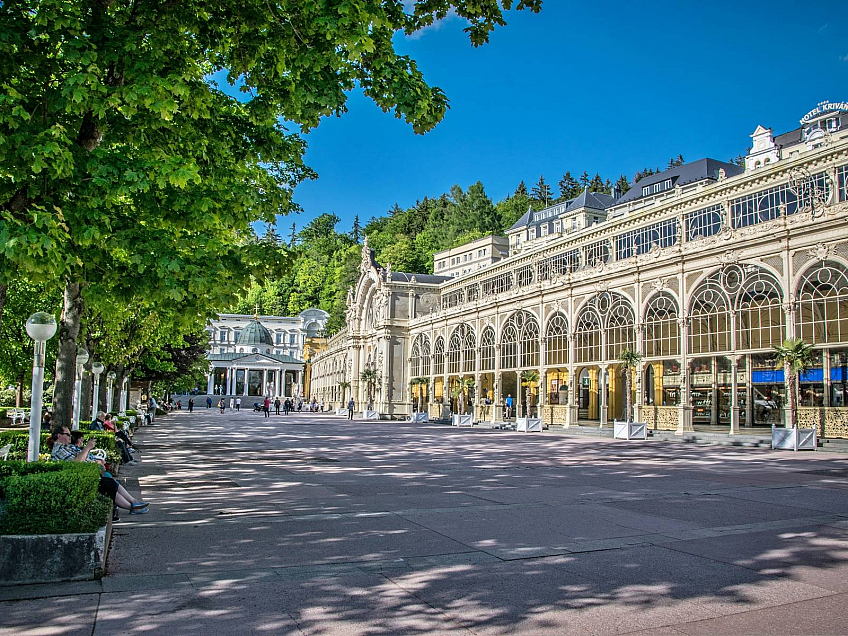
pixel 111 377
pixel 41 327
pixel 96 369
pixel 122 400
pixel 82 358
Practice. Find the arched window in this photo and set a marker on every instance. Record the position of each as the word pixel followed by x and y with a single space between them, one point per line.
pixel 587 334
pixel 556 348
pixel 425 356
pixel 439 356
pixel 620 330
pixel 662 332
pixel 487 349
pixel 821 314
pixel 415 358
pixel 520 341
pixel 469 350
pixel 454 350
pixel 709 327
pixel 759 305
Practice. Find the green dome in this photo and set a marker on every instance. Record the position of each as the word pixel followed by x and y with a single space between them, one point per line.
pixel 255 334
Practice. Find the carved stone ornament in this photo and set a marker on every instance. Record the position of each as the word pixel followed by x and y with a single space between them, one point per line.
pixel 429 301
pixel 412 280
pixel 730 257
pixel 822 251
pixel 659 284
pixel 365 263
pixel 601 286
pixel 599 266
pixel 389 272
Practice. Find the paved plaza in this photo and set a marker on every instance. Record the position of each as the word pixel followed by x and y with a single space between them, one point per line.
pixel 311 524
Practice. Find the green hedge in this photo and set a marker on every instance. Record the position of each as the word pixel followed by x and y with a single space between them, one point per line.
pixel 51 498
pixel 19 440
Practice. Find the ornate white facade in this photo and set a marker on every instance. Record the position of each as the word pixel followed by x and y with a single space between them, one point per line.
pixel 702 277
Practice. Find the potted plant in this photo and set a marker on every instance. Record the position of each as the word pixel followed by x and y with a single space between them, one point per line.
pixel 419 414
pixel 460 392
pixel 628 429
pixel 796 356
pixel 527 423
pixel 369 376
pixel 342 410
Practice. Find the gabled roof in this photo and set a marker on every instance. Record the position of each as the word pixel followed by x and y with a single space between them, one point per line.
pixel 523 221
pixel 230 357
pixel 789 138
pixel 594 200
pixel 691 172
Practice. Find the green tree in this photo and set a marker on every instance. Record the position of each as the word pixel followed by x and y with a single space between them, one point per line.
pixel 344 386
pixel 629 361
pixel 596 184
pixel 356 230
pixel 529 379
pixel 584 181
pixel 569 187
pixel 521 190
pixel 796 356
pixel 622 185
pixel 370 377
pixel 541 192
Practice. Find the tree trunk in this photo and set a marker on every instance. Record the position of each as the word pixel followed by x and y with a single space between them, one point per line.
pixel 790 389
pixel 66 359
pixel 19 392
pixel 2 301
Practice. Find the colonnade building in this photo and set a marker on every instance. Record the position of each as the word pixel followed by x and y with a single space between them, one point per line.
pixel 260 355
pixel 701 269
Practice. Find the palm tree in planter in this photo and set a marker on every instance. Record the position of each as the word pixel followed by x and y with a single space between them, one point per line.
pixel 796 357
pixel 344 386
pixel 420 383
pixel 629 361
pixel 369 377
pixel 528 379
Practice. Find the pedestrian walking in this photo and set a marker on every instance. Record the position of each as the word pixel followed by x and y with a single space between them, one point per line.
pixel 267 407
pixel 238 404
pixel 232 403
pixel 350 406
pixel 208 402
pixel 222 405
pixel 277 405
pixel 190 405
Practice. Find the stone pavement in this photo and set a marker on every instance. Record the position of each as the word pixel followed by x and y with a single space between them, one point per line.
pixel 310 524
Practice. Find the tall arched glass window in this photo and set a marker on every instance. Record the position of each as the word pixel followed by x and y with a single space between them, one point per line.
pixel 487 349
pixel 556 347
pixel 620 330
pixel 709 326
pixel 439 356
pixel 662 332
pixel 587 334
pixel 821 313
pixel 469 351
pixel 454 350
pixel 425 355
pixel 520 341
pixel 759 306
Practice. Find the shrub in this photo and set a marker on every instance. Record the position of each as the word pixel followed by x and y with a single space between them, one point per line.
pixel 131 412
pixel 52 498
pixel 20 444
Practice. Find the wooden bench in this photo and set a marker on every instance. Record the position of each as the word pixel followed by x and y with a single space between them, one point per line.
pixel 18 416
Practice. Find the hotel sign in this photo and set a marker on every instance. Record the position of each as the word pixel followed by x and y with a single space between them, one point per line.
pixel 824 107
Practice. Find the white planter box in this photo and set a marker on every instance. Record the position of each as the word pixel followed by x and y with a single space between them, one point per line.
pixel 341 412
pixel 461 420
pixel 420 417
pixel 630 430
pixel 793 439
pixel 528 424
pixel 370 415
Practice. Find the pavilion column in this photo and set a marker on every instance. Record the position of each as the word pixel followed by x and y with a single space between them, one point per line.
pixel 734 397
pixel 542 399
pixel 244 391
pixel 684 418
pixel 603 379
pixel 639 372
pixel 264 382
pixel 496 384
pixel 573 412
pixel 210 385
pixel 233 375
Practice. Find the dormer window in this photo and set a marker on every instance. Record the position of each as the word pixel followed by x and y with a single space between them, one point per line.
pixel 557 226
pixel 833 123
pixel 544 230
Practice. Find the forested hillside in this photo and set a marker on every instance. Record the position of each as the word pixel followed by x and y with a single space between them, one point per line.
pixel 325 258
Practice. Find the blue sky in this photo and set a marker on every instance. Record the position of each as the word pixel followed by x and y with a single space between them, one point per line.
pixel 603 86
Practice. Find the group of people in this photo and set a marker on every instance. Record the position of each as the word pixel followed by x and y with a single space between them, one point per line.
pixel 67 445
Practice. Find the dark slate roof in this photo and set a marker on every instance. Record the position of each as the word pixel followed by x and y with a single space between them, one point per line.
pixel 523 221
pixel 255 334
pixel 789 138
pixel 229 357
pixel 691 172
pixel 403 277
